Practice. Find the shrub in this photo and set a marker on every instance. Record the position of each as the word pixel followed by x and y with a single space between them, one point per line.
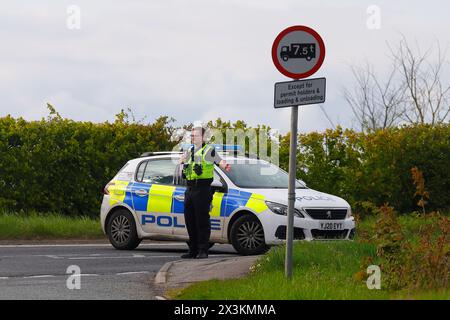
pixel 374 168
pixel 418 262
pixel 409 264
pixel 60 165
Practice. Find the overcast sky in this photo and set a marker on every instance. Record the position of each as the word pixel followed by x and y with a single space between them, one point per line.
pixel 191 60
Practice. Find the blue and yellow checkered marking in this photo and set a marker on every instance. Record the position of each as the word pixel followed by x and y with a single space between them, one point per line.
pixel 140 203
pixel 236 199
pixel 177 205
pixel 120 192
pixel 161 199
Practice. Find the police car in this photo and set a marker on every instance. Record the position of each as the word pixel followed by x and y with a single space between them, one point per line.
pixel 145 201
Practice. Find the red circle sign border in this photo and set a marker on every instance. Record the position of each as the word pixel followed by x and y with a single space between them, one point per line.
pixel 316 66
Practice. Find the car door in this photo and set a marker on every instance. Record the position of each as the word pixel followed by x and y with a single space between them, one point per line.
pixel 218 208
pixel 152 194
pixel 217 220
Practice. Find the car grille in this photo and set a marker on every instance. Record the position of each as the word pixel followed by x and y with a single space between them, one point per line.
pixel 329 234
pixel 281 233
pixel 327 214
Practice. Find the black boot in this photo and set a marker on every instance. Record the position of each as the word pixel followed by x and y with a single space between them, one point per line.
pixel 202 254
pixel 189 255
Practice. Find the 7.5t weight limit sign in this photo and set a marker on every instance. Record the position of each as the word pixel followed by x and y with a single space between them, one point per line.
pixel 298 52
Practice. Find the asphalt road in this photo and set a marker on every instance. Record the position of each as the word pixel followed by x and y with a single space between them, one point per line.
pixel 40 271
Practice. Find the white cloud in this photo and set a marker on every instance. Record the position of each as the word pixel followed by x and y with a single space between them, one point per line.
pixel 188 60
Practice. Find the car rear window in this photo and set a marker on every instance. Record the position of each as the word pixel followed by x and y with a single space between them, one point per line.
pixel 159 171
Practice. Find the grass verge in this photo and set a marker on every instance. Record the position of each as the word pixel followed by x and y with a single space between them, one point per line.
pixel 411 225
pixel 322 270
pixel 36 226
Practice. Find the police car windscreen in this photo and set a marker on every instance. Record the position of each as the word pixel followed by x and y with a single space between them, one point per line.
pixel 259 175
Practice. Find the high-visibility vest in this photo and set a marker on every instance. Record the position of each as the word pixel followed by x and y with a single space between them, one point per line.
pixel 199 157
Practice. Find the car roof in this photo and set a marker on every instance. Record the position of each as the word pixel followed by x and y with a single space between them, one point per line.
pixel 175 155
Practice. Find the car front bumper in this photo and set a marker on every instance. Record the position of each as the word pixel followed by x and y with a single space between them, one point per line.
pixel 304 228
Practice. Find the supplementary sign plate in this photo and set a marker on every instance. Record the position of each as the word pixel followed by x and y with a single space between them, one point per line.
pixel 299 92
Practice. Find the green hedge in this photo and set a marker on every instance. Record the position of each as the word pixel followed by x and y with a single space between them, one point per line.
pixel 376 167
pixel 59 165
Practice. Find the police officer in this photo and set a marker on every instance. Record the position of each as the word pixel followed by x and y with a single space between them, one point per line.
pixel 198 170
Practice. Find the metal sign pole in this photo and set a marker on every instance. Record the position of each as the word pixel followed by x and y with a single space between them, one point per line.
pixel 297 52
pixel 291 191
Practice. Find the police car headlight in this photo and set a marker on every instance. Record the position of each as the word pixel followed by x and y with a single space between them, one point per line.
pixel 282 209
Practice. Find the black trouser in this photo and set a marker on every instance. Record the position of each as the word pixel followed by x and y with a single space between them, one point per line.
pixel 197 203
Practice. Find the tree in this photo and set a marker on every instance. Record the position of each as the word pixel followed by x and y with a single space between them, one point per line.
pixel 413 91
pixel 427 97
pixel 375 104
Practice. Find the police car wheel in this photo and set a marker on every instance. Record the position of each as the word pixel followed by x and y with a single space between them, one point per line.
pixel 121 230
pixel 247 236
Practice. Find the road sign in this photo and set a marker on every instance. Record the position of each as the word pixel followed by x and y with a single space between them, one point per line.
pixel 299 92
pixel 298 52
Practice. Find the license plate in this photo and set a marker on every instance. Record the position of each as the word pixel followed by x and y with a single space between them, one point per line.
pixel 331 226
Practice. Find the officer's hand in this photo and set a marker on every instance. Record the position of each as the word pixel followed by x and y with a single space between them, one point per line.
pixel 224 165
